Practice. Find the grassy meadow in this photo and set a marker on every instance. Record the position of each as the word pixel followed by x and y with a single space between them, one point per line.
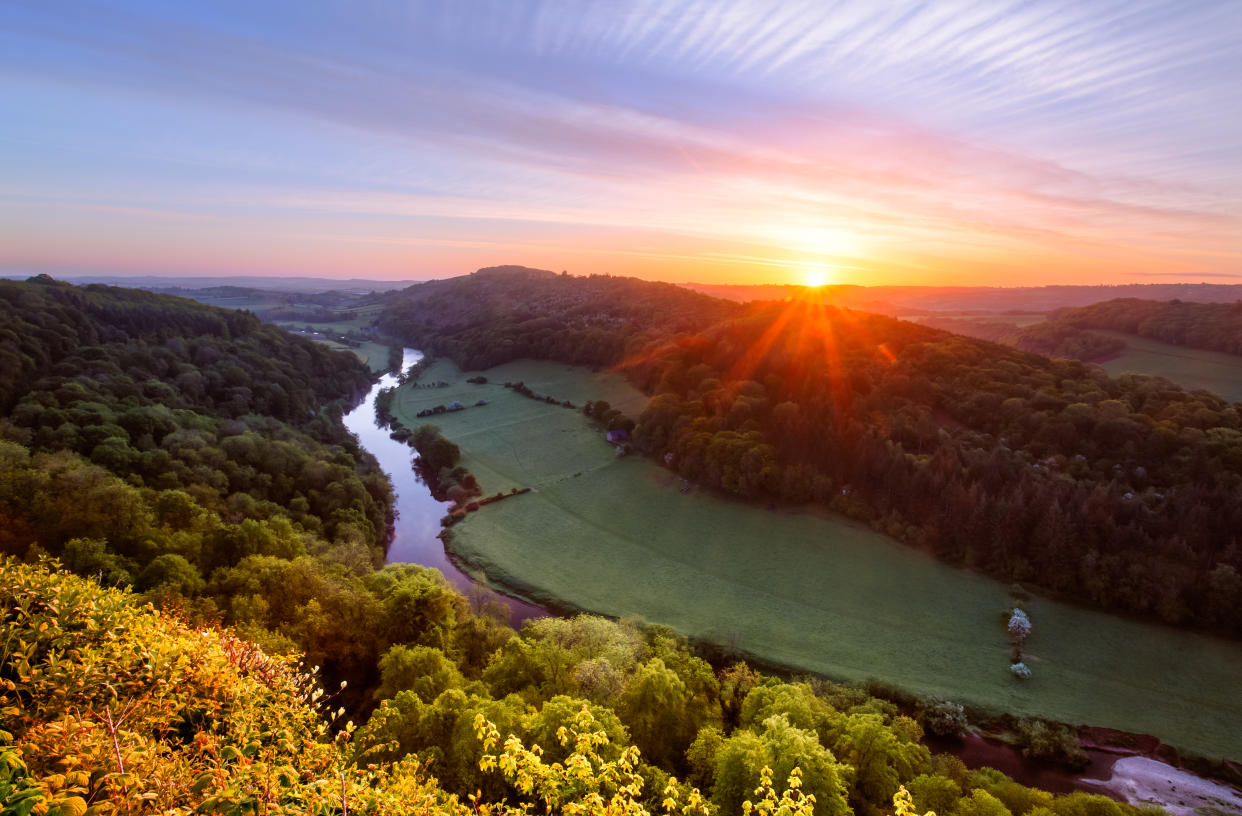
pixel 348 320
pixel 514 441
pixel 803 589
pixel 374 355
pixel 1190 368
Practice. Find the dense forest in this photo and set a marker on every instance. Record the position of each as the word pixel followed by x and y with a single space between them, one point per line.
pixel 505 313
pixel 1122 493
pixel 1210 326
pixel 190 452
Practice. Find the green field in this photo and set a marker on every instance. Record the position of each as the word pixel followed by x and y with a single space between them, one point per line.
pixel 248 303
pixel 1190 368
pixel 806 590
pixel 374 355
pixel 353 320
pixel 514 441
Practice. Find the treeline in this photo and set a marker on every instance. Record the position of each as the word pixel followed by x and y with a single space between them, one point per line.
pixel 1210 326
pixel 610 418
pixel 507 313
pixel 1051 338
pixel 172 718
pixel 522 388
pixel 1123 493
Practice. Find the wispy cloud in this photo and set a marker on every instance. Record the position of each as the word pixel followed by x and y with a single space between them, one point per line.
pixel 1034 139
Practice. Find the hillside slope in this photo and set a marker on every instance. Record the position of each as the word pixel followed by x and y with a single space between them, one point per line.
pixel 1049 338
pixel 191 452
pixel 1209 326
pixel 1123 493
pixel 504 313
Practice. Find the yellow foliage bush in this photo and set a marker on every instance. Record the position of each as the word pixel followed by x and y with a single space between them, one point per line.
pixel 109 706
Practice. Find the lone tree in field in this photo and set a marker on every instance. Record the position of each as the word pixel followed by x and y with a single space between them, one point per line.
pixel 1019 626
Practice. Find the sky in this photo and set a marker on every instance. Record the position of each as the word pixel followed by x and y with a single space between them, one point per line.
pixel 860 141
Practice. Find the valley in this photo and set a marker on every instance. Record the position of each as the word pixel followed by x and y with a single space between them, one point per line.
pixel 803 589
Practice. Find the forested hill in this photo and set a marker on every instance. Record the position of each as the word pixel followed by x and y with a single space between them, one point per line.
pixel 239 365
pixel 504 313
pixel 1210 326
pixel 1122 493
pixel 1049 338
pixel 189 451
pixel 1125 493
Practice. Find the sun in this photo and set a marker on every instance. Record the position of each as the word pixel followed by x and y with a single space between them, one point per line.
pixel 815 278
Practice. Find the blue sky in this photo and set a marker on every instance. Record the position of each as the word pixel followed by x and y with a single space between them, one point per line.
pixel 861 142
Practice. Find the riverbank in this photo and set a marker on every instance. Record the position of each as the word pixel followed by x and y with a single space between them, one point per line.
pixel 1141 780
pixel 417 512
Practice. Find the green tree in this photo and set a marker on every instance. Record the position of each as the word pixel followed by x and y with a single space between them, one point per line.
pixel 742 758
pixel 423 670
pixel 171 571
pixel 982 803
pixel 654 706
pixel 934 792
pixel 883 755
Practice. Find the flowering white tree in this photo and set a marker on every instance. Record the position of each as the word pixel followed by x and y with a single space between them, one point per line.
pixel 1019 625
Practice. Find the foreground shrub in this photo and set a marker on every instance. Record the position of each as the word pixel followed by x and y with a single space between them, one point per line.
pixel 109 706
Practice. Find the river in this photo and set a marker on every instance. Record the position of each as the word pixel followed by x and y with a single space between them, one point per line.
pixel 416 511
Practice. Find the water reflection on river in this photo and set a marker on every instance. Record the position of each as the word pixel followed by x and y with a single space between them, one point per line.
pixel 418 514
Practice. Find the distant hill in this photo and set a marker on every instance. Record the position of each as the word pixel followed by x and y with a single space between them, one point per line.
pixel 901 300
pixel 503 313
pixel 1049 338
pixel 1210 326
pixel 1067 332
pixel 273 283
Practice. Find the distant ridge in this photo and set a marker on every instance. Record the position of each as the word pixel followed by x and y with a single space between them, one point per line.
pixel 270 283
pixel 901 300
